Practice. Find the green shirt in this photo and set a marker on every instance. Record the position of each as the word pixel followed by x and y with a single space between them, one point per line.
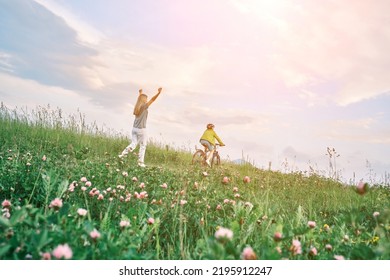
pixel 210 136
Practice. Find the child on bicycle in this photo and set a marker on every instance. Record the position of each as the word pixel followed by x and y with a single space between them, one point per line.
pixel 208 141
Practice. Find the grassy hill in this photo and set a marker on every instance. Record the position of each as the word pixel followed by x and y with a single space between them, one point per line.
pixel 66 194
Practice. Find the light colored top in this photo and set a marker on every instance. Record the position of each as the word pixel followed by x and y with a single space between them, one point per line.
pixel 140 120
pixel 210 136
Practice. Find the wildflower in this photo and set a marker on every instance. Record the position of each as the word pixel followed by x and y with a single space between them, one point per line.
pixel 278 236
pixel 124 224
pixel 196 185
pixel 83 188
pixel 279 250
pixel 56 203
pixel 248 204
pixel 201 221
pixel 311 224
pixel 248 254
pixel 44 158
pixel 235 189
pixel 94 234
pixel 313 251
pixel 224 233
pixel 328 247
pixel 296 248
pixel 134 179
pixel 226 201
pixel 142 185
pixel 62 251
pixel 237 195
pixel 346 238
pixel 88 184
pixel 219 207
pixel 6 213
pixel 164 186
pixel 375 214
pixel 182 202
pixel 339 257
pixel 225 180
pixel 205 174
pixel 46 256
pixel 72 186
pixel 6 204
pixel 150 221
pixel 362 188
pixel 82 212
pixel 100 197
pixel 83 179
pixel 247 179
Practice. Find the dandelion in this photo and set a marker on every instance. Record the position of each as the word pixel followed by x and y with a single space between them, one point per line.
pixel 150 221
pixel 62 251
pixel 56 203
pixel 164 186
pixel 247 179
pixel 124 224
pixel 94 234
pixel 375 214
pixel 248 254
pixel 296 248
pixel 224 233
pixel 6 204
pixel 311 224
pixel 339 257
pixel 326 227
pixel 278 236
pixel 82 212
pixel 225 180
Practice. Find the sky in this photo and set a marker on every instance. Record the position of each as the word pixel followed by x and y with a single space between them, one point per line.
pixel 282 80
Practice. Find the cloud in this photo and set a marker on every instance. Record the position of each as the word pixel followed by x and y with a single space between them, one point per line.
pixel 316 45
pixel 40 45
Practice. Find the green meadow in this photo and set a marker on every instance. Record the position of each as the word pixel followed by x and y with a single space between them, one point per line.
pixel 65 194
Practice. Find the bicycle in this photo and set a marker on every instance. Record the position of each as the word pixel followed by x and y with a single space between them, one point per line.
pixel 200 156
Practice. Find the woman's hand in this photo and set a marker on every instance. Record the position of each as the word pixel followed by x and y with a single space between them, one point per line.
pixel 159 90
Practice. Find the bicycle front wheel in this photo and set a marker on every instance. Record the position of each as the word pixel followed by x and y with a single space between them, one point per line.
pixel 198 158
pixel 216 160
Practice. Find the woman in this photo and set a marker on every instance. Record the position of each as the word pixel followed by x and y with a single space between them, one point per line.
pixel 208 140
pixel 138 134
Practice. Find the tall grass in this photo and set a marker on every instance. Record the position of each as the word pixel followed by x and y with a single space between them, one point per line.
pixel 44 155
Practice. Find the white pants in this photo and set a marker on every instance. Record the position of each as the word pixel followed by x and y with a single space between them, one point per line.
pixel 138 136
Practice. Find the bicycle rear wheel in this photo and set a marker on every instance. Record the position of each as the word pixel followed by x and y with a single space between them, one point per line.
pixel 198 158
